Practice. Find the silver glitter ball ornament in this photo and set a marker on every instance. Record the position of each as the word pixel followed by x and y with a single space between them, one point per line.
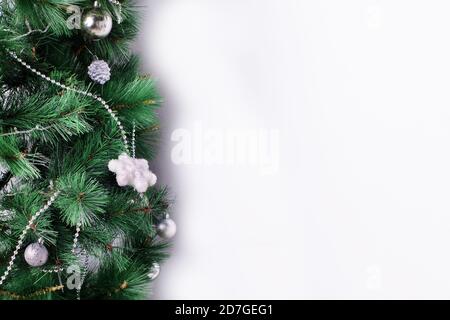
pixel 155 271
pixel 99 71
pixel 36 254
pixel 97 23
pixel 167 228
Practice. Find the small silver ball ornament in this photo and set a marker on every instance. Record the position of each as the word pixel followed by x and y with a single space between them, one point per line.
pixel 167 228
pixel 97 23
pixel 155 271
pixel 36 254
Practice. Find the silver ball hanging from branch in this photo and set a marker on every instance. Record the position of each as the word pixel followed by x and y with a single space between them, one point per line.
pixel 97 23
pixel 36 254
pixel 167 228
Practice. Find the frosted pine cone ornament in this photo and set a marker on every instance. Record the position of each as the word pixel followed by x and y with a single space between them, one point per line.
pixel 99 71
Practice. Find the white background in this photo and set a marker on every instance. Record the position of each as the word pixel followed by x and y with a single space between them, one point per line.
pixel 358 91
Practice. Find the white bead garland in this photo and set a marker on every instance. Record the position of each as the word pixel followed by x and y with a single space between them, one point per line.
pixel 85 93
pixel 75 239
pixel 84 272
pixel 133 140
pixel 119 5
pixel 81 254
pixel 24 233
pixel 54 270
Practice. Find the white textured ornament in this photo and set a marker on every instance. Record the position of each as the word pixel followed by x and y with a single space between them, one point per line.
pixel 36 254
pixel 99 71
pixel 132 172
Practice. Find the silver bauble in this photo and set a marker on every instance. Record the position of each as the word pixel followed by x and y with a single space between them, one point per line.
pixel 97 23
pixel 167 229
pixel 155 271
pixel 36 254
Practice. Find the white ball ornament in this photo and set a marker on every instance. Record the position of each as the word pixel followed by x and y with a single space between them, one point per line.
pixel 36 254
pixel 132 172
pixel 166 229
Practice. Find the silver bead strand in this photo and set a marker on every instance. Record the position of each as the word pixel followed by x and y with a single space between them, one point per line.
pixel 75 238
pixel 24 233
pixel 119 15
pixel 133 140
pixel 83 274
pixel 85 93
pixel 81 254
pixel 54 270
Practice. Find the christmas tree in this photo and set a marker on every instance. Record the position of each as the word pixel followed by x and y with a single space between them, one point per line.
pixel 80 214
